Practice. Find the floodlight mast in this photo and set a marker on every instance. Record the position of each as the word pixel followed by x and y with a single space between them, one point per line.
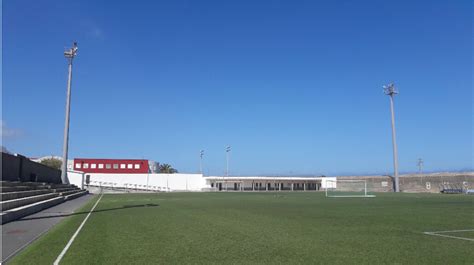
pixel 201 154
pixel 69 54
pixel 420 165
pixel 227 150
pixel 391 91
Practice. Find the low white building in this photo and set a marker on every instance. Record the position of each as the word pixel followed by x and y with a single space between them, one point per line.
pixel 263 183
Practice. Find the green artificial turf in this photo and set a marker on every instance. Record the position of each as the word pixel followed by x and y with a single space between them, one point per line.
pixel 262 228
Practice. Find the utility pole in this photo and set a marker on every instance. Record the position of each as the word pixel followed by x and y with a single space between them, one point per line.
pixel 201 154
pixel 391 91
pixel 69 54
pixel 227 150
pixel 420 166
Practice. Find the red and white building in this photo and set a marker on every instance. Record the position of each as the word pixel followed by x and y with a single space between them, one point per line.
pixel 137 174
pixel 117 166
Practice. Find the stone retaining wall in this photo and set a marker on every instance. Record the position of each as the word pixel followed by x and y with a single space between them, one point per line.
pixel 417 182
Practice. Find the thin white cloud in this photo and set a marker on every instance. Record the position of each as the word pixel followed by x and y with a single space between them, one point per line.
pixel 92 30
pixel 8 132
pixel 97 32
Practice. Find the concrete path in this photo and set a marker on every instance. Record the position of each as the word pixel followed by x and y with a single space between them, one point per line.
pixel 18 234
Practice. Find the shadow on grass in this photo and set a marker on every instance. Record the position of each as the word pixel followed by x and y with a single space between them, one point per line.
pixel 95 211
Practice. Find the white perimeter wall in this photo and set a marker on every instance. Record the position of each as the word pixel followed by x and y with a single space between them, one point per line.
pixel 76 178
pixel 172 182
pixel 328 182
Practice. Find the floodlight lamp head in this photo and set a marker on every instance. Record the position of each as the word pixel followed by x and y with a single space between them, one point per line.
pixel 71 52
pixel 390 89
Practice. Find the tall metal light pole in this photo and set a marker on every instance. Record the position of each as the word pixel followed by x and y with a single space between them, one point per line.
pixel 201 154
pixel 420 166
pixel 227 150
pixel 69 54
pixel 391 91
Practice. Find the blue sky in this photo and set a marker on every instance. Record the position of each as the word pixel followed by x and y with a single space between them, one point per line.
pixel 295 87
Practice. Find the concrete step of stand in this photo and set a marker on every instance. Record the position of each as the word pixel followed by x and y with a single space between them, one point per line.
pixel 12 183
pixel 15 203
pixel 4 183
pixel 76 195
pixel 21 194
pixel 65 193
pixel 60 186
pixel 16 188
pixel 16 213
pixel 64 189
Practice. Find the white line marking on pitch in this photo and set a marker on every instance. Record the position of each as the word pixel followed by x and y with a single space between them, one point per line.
pixel 58 259
pixel 438 233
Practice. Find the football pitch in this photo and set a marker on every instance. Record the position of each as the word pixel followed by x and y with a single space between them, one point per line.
pixel 263 228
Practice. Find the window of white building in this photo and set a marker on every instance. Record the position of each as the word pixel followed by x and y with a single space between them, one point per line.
pixel 78 165
pixel 93 165
pixel 115 166
pixel 129 166
pixel 86 165
pixel 101 166
pixel 137 166
pixel 122 166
